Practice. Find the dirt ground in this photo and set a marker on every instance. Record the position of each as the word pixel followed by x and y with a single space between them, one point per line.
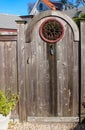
pixel 19 126
pixel 32 126
pixel 43 126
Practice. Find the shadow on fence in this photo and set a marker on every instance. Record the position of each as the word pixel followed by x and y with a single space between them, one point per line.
pixel 80 126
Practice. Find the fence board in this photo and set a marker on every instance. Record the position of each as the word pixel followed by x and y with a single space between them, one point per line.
pixel 75 91
pixel 28 79
pixel 2 67
pixel 21 70
pixel 10 65
pixel 8 68
pixel 38 74
pixel 82 68
pixel 67 69
pixel 8 37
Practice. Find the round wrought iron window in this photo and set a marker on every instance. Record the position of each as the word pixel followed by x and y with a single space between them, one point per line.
pixel 51 30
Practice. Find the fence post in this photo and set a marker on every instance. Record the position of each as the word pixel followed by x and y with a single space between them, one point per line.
pixel 82 102
pixel 21 69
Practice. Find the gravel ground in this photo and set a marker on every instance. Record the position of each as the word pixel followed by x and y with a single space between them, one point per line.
pixel 19 126
pixel 41 126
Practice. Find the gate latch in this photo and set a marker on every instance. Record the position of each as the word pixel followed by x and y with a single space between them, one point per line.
pixel 52 50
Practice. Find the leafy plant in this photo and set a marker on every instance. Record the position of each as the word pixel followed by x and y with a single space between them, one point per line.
pixel 7 102
pixel 77 19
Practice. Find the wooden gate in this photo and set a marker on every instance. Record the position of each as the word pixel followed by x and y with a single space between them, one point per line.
pixel 49 75
pixel 52 66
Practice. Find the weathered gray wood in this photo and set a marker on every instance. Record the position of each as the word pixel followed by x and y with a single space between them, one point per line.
pixel 28 79
pixel 11 70
pixel 8 68
pixel 8 37
pixel 82 23
pixel 21 70
pixel 67 72
pixel 53 119
pixel 53 96
pixel 10 65
pixel 75 90
pixel 52 13
pixel 2 67
pixel 39 101
pixel 47 84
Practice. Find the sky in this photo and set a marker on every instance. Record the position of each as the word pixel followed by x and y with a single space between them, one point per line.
pixel 14 7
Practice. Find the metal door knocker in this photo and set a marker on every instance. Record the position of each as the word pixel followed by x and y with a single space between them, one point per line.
pixel 52 50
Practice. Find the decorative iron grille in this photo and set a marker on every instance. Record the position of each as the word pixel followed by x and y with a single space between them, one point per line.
pixel 51 30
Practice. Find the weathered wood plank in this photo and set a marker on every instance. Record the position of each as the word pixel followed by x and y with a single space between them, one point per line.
pixel 67 69
pixel 75 89
pixel 2 67
pixel 62 75
pixel 43 89
pixel 82 67
pixel 69 93
pixel 21 71
pixel 39 68
pixel 8 68
pixel 53 75
pixel 10 65
pixel 11 70
pixel 28 79
pixel 43 85
pixel 8 37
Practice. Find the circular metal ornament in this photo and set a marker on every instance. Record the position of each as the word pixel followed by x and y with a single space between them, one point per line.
pixel 51 30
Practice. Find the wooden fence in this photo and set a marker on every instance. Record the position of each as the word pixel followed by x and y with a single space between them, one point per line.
pixel 25 68
pixel 8 63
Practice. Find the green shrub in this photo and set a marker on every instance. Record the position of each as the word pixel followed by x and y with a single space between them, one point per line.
pixel 7 103
pixel 77 19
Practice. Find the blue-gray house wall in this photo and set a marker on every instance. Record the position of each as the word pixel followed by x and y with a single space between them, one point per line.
pixel 40 6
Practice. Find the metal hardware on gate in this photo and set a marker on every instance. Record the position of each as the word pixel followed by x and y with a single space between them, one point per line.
pixel 52 50
pixel 83 104
pixel 28 60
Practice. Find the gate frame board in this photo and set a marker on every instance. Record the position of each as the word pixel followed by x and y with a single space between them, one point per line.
pixel 82 69
pixel 50 14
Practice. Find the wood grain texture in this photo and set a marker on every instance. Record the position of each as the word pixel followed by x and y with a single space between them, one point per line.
pixel 67 69
pixel 2 67
pixel 8 68
pixel 47 83
pixel 54 78
pixel 8 37
pixel 51 13
pixel 38 67
pixel 21 71
pixel 82 68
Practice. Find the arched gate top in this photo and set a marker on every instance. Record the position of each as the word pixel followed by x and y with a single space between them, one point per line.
pixel 53 13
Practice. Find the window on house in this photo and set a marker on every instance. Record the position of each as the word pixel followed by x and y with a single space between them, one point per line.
pixel 41 6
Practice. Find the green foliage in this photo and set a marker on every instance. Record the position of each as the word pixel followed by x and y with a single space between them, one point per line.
pixel 77 19
pixel 82 16
pixel 7 103
pixel 69 4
